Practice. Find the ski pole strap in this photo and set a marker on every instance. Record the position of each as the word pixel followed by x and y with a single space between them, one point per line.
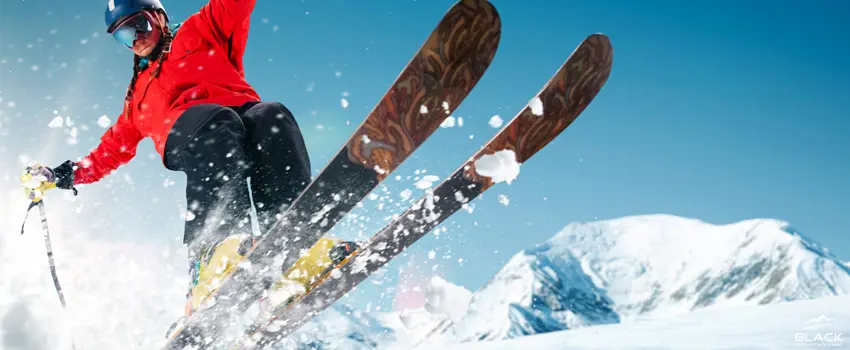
pixel 32 204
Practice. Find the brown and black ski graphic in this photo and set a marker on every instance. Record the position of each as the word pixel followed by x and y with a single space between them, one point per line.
pixel 555 107
pixel 438 78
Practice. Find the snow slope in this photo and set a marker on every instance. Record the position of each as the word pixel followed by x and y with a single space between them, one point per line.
pixel 655 265
pixel 805 324
pixel 123 295
pixel 120 294
pixel 125 299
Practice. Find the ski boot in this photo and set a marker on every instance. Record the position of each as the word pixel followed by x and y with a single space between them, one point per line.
pixel 214 264
pixel 313 267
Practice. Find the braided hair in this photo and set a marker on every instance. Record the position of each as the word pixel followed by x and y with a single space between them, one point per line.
pixel 168 36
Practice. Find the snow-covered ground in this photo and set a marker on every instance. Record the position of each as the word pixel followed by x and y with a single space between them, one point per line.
pixel 656 281
pixel 805 324
pixel 120 295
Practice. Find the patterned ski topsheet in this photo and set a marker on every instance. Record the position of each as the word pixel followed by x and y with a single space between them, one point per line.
pixel 436 80
pixel 557 105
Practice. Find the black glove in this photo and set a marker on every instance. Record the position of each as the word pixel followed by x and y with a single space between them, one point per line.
pixel 65 175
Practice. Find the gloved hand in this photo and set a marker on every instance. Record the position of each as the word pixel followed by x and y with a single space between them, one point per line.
pixel 38 179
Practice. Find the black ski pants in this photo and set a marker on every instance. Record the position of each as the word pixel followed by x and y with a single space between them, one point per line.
pixel 219 148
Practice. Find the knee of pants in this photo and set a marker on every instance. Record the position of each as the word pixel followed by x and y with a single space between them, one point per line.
pixel 266 115
pixel 199 124
pixel 202 119
pixel 223 117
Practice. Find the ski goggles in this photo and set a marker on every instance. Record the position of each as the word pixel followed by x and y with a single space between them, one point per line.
pixel 135 27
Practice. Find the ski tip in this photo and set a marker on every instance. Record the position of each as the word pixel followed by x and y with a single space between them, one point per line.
pixel 603 43
pixel 475 2
pixel 599 37
pixel 482 5
pixel 602 38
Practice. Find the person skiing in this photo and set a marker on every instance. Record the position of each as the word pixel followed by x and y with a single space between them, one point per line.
pixel 188 93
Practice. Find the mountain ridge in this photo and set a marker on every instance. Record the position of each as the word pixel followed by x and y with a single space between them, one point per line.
pixel 648 266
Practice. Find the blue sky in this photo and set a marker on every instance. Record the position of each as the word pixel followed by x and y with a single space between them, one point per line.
pixel 720 110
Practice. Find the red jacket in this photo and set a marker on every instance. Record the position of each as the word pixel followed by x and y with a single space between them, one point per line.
pixel 204 66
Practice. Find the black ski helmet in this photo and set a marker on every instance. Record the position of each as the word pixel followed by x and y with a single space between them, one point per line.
pixel 116 10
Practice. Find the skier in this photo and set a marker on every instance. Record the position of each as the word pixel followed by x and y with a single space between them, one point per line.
pixel 188 93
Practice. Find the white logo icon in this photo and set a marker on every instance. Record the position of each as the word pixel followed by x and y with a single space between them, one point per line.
pixel 818 322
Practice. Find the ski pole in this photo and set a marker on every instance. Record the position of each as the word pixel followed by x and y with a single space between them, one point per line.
pixel 48 246
pixel 49 249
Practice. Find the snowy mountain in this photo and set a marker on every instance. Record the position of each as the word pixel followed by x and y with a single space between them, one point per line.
pixel 624 270
pixel 647 266
pixel 803 324
pixel 340 327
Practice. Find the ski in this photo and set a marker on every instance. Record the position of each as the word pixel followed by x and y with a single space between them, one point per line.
pixel 436 80
pixel 555 107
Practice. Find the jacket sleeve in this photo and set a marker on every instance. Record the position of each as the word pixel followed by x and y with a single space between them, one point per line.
pixel 117 147
pixel 227 15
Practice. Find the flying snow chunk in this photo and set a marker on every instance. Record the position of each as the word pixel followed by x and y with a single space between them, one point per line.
pixel 423 109
pixel 504 200
pixel 72 136
pixel 536 106
pixel 460 198
pixel 427 182
pixel 56 122
pixel 500 166
pixel 406 194
pixel 343 102
pixel 448 122
pixel 103 121
pixel 447 300
pixel 496 121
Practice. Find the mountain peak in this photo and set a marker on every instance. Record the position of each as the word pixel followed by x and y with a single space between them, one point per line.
pixel 649 266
